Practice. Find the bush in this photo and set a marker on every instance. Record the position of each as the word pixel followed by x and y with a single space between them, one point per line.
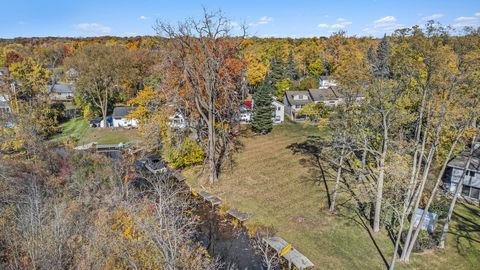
pixel 187 154
pixel 440 208
pixel 424 241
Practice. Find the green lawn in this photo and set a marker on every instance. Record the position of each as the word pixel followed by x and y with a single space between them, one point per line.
pixel 79 128
pixel 282 191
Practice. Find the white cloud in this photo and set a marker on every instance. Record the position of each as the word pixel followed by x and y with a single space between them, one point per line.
pixel 383 25
pixel 341 23
pixel 467 21
pixel 94 28
pixel 261 21
pixel 432 17
pixel 477 14
pixel 265 20
pixel 384 22
pixel 143 17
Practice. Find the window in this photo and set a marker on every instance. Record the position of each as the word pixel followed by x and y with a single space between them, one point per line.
pixel 278 108
pixel 474 193
pixel 471 173
pixel 465 191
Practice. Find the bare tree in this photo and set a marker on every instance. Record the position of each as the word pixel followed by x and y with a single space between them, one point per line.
pixel 205 68
pixel 269 258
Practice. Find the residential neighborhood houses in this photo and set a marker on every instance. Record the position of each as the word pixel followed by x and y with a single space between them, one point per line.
pixel 247 108
pixel 471 181
pixel 191 147
pixel 327 93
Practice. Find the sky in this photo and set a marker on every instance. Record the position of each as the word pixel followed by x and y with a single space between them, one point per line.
pixel 267 18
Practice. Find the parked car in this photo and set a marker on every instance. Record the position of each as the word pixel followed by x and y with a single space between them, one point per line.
pixel 95 122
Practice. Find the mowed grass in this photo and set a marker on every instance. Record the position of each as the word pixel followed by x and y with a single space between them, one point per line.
pixel 79 129
pixel 267 179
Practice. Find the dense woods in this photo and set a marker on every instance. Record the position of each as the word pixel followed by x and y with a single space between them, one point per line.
pixel 63 209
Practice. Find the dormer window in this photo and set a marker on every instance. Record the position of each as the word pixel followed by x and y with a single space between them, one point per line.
pixel 300 97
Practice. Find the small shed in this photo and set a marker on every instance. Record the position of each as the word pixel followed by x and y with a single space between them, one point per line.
pixel 429 223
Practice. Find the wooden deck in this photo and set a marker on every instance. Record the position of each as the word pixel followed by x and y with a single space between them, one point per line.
pixel 293 256
pixel 239 215
pixel 214 200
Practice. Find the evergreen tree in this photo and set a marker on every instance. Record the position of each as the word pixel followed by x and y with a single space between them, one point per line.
pixel 276 72
pixel 290 69
pixel 263 108
pixel 379 59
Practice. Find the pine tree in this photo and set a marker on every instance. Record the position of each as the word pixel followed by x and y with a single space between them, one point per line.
pixel 379 59
pixel 290 69
pixel 276 72
pixel 263 108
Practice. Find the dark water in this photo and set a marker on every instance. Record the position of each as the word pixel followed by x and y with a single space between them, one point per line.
pixel 222 239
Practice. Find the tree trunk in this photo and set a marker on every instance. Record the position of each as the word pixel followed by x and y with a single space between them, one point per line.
pixel 337 181
pixel 409 247
pixel 441 244
pixel 211 144
pixel 381 175
pixel 418 195
pixel 417 199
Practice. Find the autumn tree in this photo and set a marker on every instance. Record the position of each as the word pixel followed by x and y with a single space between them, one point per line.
pixel 101 70
pixel 203 76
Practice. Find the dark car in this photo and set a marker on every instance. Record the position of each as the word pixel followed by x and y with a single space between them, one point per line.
pixel 95 122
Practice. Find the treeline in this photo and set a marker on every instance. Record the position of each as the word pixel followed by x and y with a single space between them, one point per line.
pixel 391 150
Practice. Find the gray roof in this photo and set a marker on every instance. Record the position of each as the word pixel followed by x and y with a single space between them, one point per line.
pixel 461 160
pixel 62 88
pixel 323 94
pixel 291 101
pixel 3 71
pixel 121 112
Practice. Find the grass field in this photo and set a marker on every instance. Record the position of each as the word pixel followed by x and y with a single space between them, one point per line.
pixel 282 191
pixel 80 129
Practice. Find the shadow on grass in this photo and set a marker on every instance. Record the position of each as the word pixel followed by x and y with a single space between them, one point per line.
pixel 313 150
pixel 320 163
pixel 467 229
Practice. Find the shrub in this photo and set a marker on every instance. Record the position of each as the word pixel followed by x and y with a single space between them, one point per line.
pixel 440 208
pixel 187 154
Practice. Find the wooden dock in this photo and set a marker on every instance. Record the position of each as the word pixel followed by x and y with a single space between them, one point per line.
pixel 214 200
pixel 293 256
pixel 239 215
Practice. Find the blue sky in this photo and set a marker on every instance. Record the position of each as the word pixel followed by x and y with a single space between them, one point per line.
pixel 279 18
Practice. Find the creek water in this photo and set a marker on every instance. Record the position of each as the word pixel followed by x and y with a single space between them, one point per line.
pixel 230 243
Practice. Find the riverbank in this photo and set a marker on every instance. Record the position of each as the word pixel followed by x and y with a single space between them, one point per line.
pixel 281 189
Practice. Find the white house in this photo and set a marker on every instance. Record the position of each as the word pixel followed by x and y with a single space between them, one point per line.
pixel 325 82
pixel 120 117
pixel 279 113
pixel 471 181
pixel 178 121
pixel 61 91
pixel 246 115
pixel 4 107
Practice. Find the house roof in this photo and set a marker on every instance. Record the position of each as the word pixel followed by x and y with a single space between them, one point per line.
pixel 121 112
pixel 3 71
pixel 291 94
pixel 277 103
pixel 461 160
pixel 4 104
pixel 323 94
pixel 61 88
